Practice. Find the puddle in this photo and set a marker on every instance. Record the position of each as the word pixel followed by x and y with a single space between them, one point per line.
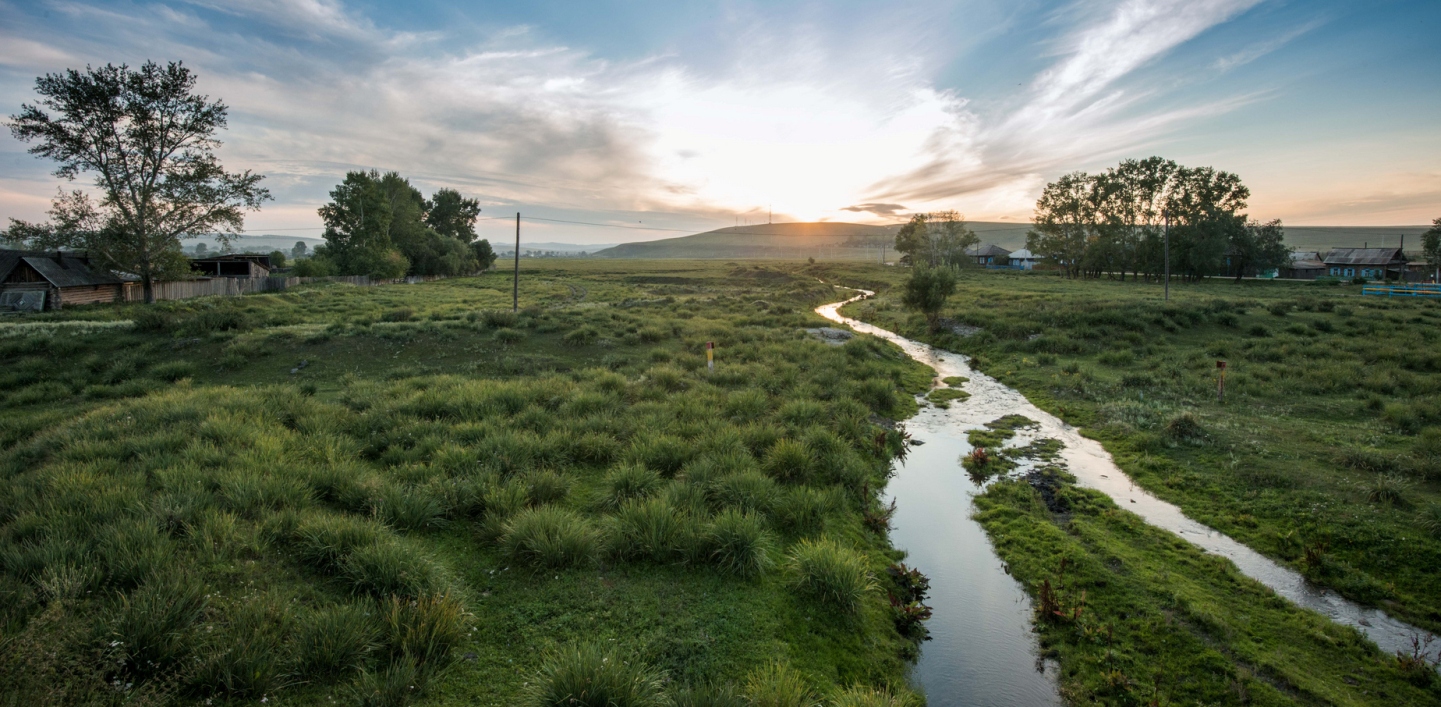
pixel 985 614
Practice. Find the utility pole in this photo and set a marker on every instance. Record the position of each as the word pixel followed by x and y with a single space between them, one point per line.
pixel 515 285
pixel 1167 215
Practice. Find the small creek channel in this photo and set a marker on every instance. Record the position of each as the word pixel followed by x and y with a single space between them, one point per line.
pixel 982 651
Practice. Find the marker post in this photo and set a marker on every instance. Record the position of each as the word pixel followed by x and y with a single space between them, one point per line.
pixel 710 356
pixel 1221 386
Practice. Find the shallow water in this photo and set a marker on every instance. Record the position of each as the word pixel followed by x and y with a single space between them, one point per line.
pixel 977 619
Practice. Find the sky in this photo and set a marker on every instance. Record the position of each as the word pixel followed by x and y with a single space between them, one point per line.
pixel 683 117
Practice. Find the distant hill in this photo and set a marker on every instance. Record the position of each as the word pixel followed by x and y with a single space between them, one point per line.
pixel 854 241
pixel 822 240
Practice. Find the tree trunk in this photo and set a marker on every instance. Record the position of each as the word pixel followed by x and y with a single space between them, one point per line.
pixel 148 285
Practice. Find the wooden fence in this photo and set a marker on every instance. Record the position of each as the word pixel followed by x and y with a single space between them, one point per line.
pixel 236 286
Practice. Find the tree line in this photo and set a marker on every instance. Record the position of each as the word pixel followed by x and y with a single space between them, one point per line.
pixel 150 142
pixel 1115 223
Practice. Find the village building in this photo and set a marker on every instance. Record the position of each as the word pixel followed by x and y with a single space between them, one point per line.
pixel 1369 263
pixel 33 280
pixel 989 254
pixel 232 265
pixel 1304 265
pixel 1023 259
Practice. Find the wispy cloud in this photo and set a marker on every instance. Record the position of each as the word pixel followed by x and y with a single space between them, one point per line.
pixel 1260 49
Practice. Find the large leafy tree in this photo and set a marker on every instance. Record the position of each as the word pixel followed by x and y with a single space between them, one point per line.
pixel 398 235
pixel 357 230
pixel 1065 222
pixel 935 239
pixel 452 215
pixel 1259 247
pixel 149 140
pixel 1431 247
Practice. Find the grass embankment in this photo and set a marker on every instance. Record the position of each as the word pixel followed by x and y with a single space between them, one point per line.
pixel 379 495
pixel 1326 456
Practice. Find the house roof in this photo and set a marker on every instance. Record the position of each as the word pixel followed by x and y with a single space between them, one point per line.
pixel 1305 255
pixel 66 270
pixel 1364 256
pixel 988 249
pixel 1022 254
pixel 1307 265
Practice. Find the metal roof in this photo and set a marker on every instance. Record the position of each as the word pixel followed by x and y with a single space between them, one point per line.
pixel 1365 256
pixel 1022 254
pixel 1307 265
pixel 69 271
pixel 988 249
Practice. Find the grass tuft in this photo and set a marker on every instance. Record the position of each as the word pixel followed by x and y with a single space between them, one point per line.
pixel 550 537
pixel 831 574
pixel 589 676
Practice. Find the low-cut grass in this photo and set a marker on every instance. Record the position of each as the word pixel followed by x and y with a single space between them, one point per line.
pixel 1321 456
pixel 386 509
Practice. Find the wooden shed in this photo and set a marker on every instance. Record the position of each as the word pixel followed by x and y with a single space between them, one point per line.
pixel 63 278
pixel 233 265
pixel 1304 265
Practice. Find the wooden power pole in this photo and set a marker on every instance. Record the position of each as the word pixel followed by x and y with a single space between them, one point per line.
pixel 515 285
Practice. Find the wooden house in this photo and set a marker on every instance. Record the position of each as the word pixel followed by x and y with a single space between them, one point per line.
pixel 1304 265
pixel 989 254
pixel 1023 259
pixel 1370 263
pixel 58 279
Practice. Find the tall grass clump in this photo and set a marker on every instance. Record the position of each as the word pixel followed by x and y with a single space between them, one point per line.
pixel 663 453
pixel 325 540
pixel 651 529
pixel 858 696
pixel 424 631
pixel 250 661
pixel 392 568
pixel 723 695
pixel 589 676
pixel 739 544
pixel 749 491
pixel 779 685
pixel 629 482
pixel 155 625
pixel 789 461
pixel 549 537
pixel 335 640
pixel 802 510
pixel 831 574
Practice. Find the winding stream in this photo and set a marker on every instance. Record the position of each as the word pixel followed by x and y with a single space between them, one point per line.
pixel 982 650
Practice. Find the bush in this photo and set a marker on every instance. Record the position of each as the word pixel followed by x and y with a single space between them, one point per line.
pixel 1185 427
pixel 833 575
pixel 334 641
pixel 590 676
pixel 739 544
pixel 549 537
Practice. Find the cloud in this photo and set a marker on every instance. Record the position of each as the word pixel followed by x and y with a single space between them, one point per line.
pixel 883 210
pixel 1258 50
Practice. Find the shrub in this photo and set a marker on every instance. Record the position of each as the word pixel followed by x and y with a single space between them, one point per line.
pixel 549 537
pixel 628 482
pixel 394 567
pixel 589 676
pixel 334 640
pixel 778 685
pixel 833 575
pixel 154 624
pixel 739 544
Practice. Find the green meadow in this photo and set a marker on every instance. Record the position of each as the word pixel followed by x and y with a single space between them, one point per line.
pixel 411 494
pixel 1324 455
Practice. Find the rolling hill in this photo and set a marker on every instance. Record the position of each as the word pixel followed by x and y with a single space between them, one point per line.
pixel 854 241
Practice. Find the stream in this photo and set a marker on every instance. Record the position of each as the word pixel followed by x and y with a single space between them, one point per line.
pixel 982 651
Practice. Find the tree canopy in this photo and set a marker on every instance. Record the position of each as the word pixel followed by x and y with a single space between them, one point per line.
pixel 149 140
pixel 933 240
pixel 379 225
pixel 1431 247
pixel 927 290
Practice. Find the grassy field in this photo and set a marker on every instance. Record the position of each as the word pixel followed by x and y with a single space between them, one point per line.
pixel 408 493
pixel 1326 455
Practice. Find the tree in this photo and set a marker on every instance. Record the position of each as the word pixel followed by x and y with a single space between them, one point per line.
pixel 927 290
pixel 357 229
pixel 1065 218
pixel 1431 247
pixel 453 215
pixel 484 255
pixel 936 239
pixel 375 221
pixel 1259 247
pixel 299 250
pixel 913 241
pixel 200 249
pixel 277 258
pixel 150 142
